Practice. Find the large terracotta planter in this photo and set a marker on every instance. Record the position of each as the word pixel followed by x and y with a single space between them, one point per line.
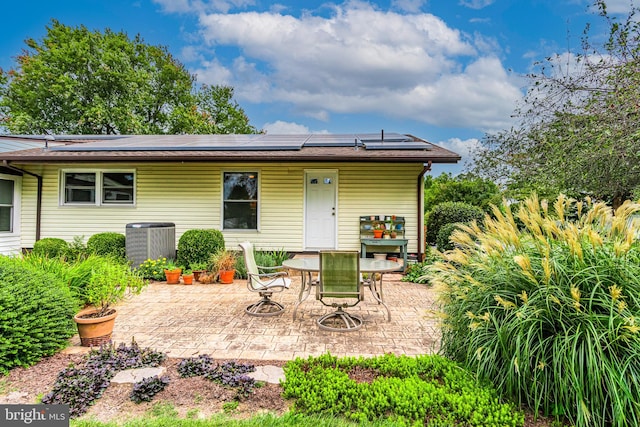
pixel 173 276
pixel 94 331
pixel 226 276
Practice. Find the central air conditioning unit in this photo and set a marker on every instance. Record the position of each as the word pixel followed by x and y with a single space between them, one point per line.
pixel 150 240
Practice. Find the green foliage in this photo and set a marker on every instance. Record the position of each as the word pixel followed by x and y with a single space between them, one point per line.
pixel 77 81
pixel 442 240
pixel 51 247
pixel 111 282
pixel 144 390
pixel 467 188
pixel 577 132
pixel 197 246
pixel 108 244
pixel 153 269
pixel 450 212
pixel 549 311
pixel 36 311
pixel 406 390
pixel 77 249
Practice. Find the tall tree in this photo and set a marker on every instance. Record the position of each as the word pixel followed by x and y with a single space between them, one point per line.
pixel 77 81
pixel 578 130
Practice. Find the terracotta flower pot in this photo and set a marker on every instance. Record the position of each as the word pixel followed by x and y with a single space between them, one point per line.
pixel 377 234
pixel 94 331
pixel 173 276
pixel 187 279
pixel 226 276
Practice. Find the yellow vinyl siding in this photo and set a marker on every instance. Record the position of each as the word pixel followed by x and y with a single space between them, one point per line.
pixel 189 195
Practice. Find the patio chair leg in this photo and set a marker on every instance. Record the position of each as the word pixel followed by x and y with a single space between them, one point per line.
pixel 265 308
pixel 351 322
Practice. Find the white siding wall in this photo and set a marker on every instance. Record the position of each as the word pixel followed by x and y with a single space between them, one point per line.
pixel 189 195
pixel 10 241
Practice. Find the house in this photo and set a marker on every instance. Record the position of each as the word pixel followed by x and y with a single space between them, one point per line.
pixel 293 192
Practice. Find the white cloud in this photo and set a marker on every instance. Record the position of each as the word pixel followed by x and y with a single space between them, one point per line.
pixel 281 127
pixel 476 4
pixel 619 6
pixel 463 147
pixel 361 60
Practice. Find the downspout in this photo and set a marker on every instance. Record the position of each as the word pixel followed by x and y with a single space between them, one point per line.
pixel 420 215
pixel 39 195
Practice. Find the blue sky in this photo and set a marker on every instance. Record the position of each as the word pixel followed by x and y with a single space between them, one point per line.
pixel 447 71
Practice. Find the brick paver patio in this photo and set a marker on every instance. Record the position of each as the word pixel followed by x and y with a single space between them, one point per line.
pixel 188 320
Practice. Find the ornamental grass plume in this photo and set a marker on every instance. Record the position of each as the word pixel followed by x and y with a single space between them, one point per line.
pixel 546 305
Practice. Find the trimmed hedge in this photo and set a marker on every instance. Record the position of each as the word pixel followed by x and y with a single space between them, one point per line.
pixel 108 244
pixel 450 212
pixel 197 245
pixel 442 240
pixel 51 247
pixel 36 314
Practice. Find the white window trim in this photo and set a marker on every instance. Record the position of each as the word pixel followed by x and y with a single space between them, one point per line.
pixel 17 192
pixel 241 230
pixel 99 188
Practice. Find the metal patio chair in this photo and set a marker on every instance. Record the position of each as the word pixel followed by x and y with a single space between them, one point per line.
pixel 265 281
pixel 339 278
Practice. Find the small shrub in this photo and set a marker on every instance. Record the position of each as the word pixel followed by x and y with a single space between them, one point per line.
pixel 51 247
pixel 230 374
pixel 450 212
pixel 197 245
pixel 108 244
pixel 405 390
pixel 36 312
pixel 153 269
pixel 549 311
pixel 195 366
pixel 79 386
pixel 143 391
pixel 442 240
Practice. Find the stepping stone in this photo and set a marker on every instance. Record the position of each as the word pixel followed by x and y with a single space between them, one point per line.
pixel 138 374
pixel 268 373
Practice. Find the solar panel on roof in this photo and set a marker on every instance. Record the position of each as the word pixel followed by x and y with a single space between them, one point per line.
pixel 192 143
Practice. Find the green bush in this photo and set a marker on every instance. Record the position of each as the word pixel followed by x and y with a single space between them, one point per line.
pixel 51 247
pixel 466 188
pixel 405 390
pixel 108 244
pixel 197 245
pixel 442 240
pixel 450 212
pixel 550 312
pixel 36 313
pixel 153 269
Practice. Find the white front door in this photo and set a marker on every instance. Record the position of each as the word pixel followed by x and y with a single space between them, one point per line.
pixel 320 210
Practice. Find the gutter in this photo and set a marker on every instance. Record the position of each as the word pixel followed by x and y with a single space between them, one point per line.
pixel 420 215
pixel 39 196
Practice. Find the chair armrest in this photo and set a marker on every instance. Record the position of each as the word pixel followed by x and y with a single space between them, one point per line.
pixel 268 275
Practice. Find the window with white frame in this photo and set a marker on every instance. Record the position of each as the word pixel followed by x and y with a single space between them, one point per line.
pixel 98 188
pixel 7 188
pixel 240 200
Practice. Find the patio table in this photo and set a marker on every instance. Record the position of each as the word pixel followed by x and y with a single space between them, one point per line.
pixel 311 264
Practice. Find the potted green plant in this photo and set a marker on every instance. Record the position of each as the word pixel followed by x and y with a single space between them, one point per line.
pixel 198 268
pixel 378 229
pixel 223 265
pixel 187 277
pixel 172 272
pixel 110 282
